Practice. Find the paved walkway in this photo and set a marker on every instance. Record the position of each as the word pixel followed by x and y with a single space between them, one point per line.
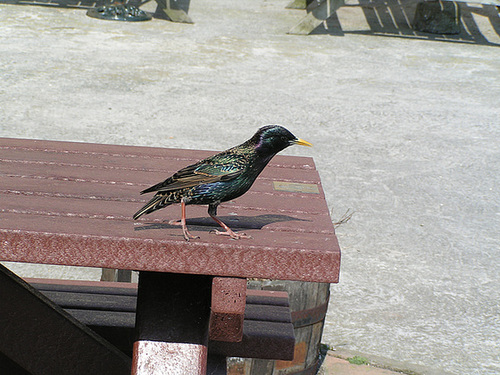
pixel 345 362
pixel 338 366
pixel 405 128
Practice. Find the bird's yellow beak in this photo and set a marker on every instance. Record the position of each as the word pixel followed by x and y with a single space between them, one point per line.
pixel 301 142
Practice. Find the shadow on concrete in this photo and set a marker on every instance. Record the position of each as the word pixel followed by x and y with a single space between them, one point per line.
pixel 389 18
pixel 88 4
pixel 394 18
pixel 80 4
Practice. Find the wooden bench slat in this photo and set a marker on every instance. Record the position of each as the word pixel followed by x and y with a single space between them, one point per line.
pixel 266 340
pixel 285 220
pixel 267 313
pixel 74 190
pixel 136 180
pixel 267 297
pixel 104 318
pixel 78 287
pixel 71 300
pixel 109 152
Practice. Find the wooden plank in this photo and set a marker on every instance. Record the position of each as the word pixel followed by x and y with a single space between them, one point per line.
pixel 258 338
pixel 92 301
pixel 281 259
pixel 139 179
pixel 270 313
pixel 104 287
pixel 112 154
pixel 267 297
pixel 294 219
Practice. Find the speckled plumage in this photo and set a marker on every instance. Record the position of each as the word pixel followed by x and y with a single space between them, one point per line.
pixel 221 177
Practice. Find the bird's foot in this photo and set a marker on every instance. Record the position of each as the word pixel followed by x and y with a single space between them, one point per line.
pixel 187 235
pixel 230 233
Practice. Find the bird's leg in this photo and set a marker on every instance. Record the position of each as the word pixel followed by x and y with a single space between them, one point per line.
pixel 212 211
pixel 188 236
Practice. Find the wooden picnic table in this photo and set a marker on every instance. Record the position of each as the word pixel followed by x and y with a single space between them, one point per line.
pixel 71 204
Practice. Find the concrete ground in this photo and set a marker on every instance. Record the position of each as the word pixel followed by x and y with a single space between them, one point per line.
pixel 405 128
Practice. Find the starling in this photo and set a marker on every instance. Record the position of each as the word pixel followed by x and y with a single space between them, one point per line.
pixel 220 178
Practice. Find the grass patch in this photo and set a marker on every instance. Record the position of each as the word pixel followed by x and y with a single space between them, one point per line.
pixel 358 360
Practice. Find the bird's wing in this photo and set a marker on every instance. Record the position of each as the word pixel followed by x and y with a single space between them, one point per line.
pixel 206 171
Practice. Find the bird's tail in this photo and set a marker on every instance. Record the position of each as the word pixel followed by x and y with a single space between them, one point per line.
pixel 157 202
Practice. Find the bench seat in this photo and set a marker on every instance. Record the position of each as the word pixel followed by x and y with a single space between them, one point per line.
pixel 109 309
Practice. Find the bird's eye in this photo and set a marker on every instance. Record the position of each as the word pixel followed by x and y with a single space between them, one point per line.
pixel 283 138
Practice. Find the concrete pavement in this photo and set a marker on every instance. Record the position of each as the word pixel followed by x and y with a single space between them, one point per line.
pixel 405 128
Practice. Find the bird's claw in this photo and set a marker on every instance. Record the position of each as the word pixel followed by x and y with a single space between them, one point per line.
pixel 233 235
pixel 189 237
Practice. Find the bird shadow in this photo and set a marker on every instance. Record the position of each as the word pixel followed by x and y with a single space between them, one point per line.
pixel 207 224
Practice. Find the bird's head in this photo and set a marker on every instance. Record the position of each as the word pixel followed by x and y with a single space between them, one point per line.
pixel 272 139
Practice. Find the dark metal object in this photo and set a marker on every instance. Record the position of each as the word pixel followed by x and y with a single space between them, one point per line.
pixel 40 337
pixel 118 12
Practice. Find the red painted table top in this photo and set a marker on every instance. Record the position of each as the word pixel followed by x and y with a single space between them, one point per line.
pixel 72 204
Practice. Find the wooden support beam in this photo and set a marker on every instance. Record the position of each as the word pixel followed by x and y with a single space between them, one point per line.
pixel 172 324
pixel 43 339
pixel 227 309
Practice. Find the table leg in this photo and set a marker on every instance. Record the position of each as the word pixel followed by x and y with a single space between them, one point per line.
pixel 173 312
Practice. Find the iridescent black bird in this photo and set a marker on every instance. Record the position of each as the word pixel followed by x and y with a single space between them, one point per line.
pixel 221 177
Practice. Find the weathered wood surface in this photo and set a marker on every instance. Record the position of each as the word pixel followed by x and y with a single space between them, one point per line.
pixel 227 309
pixel 71 204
